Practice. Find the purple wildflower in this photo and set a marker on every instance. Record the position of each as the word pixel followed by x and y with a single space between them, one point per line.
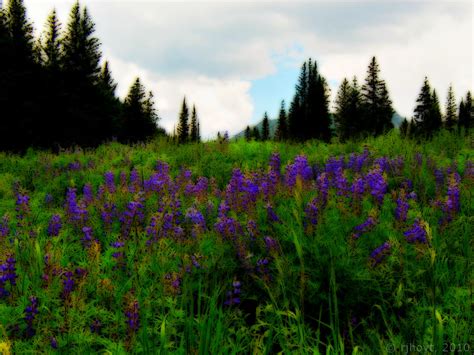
pixel 365 227
pixel 7 273
pixel 4 226
pixel 416 234
pixel 312 211
pixel 87 238
pixel 377 184
pixel 300 169
pixel 133 317
pixel 271 215
pixel 110 181
pixel 30 313
pixel 379 254
pixel 54 343
pixel 68 284
pixel 402 208
pixel 233 297
pixel 88 194
pixel 275 163
pixel 54 226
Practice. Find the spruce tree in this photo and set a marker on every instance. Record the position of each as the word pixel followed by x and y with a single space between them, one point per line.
pixel 355 110
pixel 377 105
pixel 451 118
pixel 423 110
pixel 342 118
pixel 256 133
pixel 265 128
pixel 282 128
pixel 404 128
pixel 248 134
pixel 183 125
pixel 436 120
pixel 466 113
pixel 51 48
pixel 133 113
pixel 193 134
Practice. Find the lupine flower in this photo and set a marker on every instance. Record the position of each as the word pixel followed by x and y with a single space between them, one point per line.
pixel 271 244
pixel 312 211
pixel 74 166
pixel 299 169
pixel 48 199
pixel 357 191
pixel 54 226
pixel 54 343
pixel 77 212
pixel 108 213
pixel 87 238
pixel 377 184
pixel 262 269
pixel 341 183
pixel 228 228
pixel 322 185
pixel 379 254
pixel 469 170
pixel 4 226
pixel 133 214
pixel 30 313
pixel 133 317
pixel 417 233
pixel 110 181
pixel 418 159
pixel 402 208
pixel 96 326
pixel 439 179
pixel 7 273
pixel 233 297
pixel 368 224
pixel 271 215
pixel 197 220
pixel 88 194
pixel 22 206
pixel 275 163
pixel 135 182
pixel 68 284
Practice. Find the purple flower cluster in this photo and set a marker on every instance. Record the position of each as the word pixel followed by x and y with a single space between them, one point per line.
pixel 300 169
pixel 87 193
pixel 68 284
pixel 133 317
pixel 87 238
pixel 271 215
pixel 198 224
pixel 263 270
pixel 401 210
pixel 312 211
pixel 365 227
pixel 54 226
pixel 377 184
pixel 30 313
pixel 275 163
pixel 416 234
pixel 379 254
pixel 22 206
pixel 76 211
pixel 7 274
pixel 132 214
pixel 4 226
pixel 233 297
pixel 110 181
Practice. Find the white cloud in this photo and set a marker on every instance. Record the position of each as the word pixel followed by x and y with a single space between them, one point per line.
pixel 221 104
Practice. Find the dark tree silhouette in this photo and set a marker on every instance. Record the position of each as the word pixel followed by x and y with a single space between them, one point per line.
pixel 451 118
pixel 265 128
pixel 377 105
pixel 183 123
pixel 404 128
pixel 427 118
pixel 466 113
pixel 281 133
pixel 194 129
pixel 248 134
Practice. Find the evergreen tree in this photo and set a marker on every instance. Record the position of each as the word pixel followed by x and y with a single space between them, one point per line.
pixel 404 128
pixel 183 125
pixel 193 134
pixel 451 118
pixel 248 134
pixel 265 128
pixel 106 82
pixel 466 113
pixel 427 116
pixel 282 128
pixel 355 110
pixel 256 133
pixel 377 105
pixel 51 48
pixel 436 120
pixel 294 118
pixel 135 122
pixel 342 118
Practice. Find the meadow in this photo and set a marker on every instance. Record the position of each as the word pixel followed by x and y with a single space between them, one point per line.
pixel 239 247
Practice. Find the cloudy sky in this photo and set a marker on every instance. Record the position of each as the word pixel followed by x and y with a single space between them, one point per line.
pixel 237 59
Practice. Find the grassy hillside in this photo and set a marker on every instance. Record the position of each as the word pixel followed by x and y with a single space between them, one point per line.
pixel 238 247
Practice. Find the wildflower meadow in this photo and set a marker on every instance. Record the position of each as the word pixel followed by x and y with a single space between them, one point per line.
pixel 239 247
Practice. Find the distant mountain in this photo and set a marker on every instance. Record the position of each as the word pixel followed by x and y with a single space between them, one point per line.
pixel 273 123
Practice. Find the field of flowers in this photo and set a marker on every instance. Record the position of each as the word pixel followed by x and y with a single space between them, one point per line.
pixel 239 248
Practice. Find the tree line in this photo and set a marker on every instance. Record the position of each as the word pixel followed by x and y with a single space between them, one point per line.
pixel 360 110
pixel 54 92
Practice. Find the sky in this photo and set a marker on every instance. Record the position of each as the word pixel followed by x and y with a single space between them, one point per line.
pixel 237 59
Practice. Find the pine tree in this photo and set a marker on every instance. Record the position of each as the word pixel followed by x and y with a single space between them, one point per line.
pixel 133 113
pixel 193 134
pixel 404 128
pixel 355 110
pixel 183 126
pixel 466 113
pixel 256 133
pixel 248 134
pixel 378 109
pixel 265 128
pixel 436 120
pixel 51 48
pixel 451 118
pixel 423 111
pixel 106 82
pixel 342 118
pixel 282 128
pixel 21 31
